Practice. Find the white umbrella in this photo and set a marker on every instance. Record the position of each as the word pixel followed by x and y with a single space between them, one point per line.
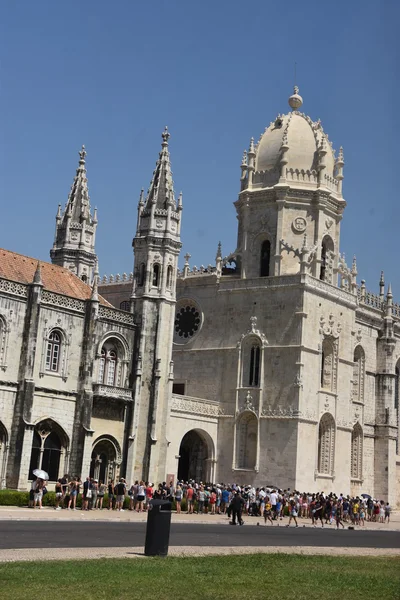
pixel 41 474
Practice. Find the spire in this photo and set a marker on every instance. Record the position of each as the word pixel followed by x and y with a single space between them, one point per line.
pixel 78 204
pixel 161 190
pixel 37 278
pixel 95 291
pixel 74 240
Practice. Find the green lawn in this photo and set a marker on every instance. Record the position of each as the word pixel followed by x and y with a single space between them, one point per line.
pixel 257 576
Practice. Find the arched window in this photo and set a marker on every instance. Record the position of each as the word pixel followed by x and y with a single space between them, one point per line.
pixel 246 447
pixel 141 274
pixel 329 364
pixel 53 351
pixel 254 373
pixel 265 258
pixel 356 451
pixel 84 278
pixel 327 250
pixel 169 277
pixel 156 275
pixel 108 365
pixel 47 447
pixel 125 305
pixel 358 375
pixel 326 444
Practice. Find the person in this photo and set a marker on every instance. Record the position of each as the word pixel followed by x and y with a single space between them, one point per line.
pixel 140 496
pixel 100 495
pixel 338 506
pixel 292 512
pixel 87 494
pixel 178 498
pixel 387 512
pixel 201 497
pixel 273 498
pixel 95 491
pixel 190 499
pixel 73 493
pixel 110 494
pixel 237 504
pixel 59 494
pixel 268 512
pixel 225 499
pixel 38 496
pixel 318 512
pixel 213 500
pixel 121 491
pixel 149 493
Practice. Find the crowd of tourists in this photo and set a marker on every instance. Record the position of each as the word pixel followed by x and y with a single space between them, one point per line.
pixel 271 504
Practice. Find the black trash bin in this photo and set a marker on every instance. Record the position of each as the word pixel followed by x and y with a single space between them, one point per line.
pixel 158 528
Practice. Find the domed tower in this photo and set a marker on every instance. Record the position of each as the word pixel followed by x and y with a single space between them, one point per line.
pixel 290 199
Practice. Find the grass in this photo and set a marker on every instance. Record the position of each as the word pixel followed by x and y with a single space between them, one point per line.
pixel 257 576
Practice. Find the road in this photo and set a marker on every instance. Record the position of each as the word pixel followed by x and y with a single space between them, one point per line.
pixel 90 534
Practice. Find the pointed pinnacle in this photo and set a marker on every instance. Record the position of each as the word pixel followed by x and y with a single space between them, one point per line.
pixel 340 158
pixel 389 292
pixel 58 215
pixel 82 155
pixel 141 197
pixel 244 159
pixel 382 279
pixel 180 197
pixel 37 278
pixel 219 250
pixel 251 147
pixel 165 136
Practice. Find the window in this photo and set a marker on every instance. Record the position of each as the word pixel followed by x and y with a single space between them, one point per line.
pixel 169 277
pixel 246 432
pixel 84 278
pixel 125 305
pixel 108 365
pixel 53 352
pixel 254 374
pixel 178 388
pixel 141 275
pixel 265 258
pixel 356 452
pixel 358 375
pixel 156 275
pixel 326 444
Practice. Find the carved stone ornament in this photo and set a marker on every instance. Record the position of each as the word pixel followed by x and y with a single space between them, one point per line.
pixel 328 223
pixel 253 331
pixel 159 223
pixel 299 225
pixel 248 403
pixel 298 381
pixel 329 328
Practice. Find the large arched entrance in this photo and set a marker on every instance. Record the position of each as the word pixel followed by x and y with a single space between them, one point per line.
pixel 195 455
pixel 49 443
pixel 105 460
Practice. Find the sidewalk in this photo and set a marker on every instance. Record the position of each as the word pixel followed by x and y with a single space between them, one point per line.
pixel 10 513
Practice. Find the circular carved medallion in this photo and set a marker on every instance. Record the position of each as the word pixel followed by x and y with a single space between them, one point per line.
pixel 299 224
pixel 188 320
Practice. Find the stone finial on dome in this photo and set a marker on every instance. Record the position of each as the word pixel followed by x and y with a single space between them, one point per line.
pixel 295 100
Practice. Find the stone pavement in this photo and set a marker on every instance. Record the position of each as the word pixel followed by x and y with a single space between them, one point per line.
pixel 49 514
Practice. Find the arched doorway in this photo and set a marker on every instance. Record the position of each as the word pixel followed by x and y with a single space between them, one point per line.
pixel 105 460
pixel 49 443
pixel 195 454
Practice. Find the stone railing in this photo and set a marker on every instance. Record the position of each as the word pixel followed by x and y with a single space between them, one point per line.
pixel 14 288
pixel 59 300
pixel 107 279
pixel 111 391
pixel 195 272
pixel 195 406
pixel 113 314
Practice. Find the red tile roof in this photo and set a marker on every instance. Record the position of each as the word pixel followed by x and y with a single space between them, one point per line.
pixel 17 267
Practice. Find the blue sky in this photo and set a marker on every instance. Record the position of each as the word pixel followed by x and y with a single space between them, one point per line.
pixel 112 75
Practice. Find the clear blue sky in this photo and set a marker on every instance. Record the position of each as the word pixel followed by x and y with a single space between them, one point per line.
pixel 111 75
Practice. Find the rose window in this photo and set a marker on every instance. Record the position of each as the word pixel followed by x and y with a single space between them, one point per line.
pixel 188 320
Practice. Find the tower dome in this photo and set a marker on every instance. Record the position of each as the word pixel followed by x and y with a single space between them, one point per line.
pixel 297 143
